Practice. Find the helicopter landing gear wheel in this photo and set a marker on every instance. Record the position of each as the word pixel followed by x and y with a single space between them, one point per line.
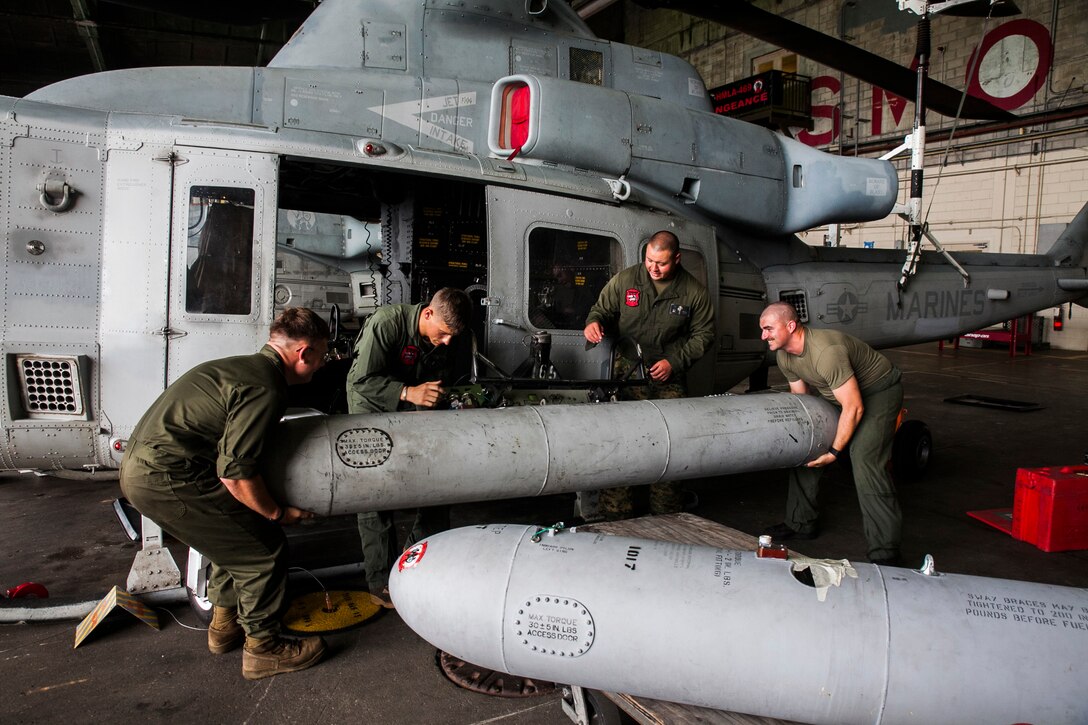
pixel 201 605
pixel 912 449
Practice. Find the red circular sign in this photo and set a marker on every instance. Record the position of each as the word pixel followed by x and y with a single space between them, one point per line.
pixel 999 65
pixel 412 556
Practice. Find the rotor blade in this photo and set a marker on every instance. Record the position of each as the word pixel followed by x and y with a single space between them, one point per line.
pixel 835 53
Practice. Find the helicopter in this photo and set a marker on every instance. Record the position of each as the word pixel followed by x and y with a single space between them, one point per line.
pixel 159 217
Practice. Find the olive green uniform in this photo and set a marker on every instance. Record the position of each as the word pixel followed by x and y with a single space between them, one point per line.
pixel 829 360
pixel 674 324
pixel 211 424
pixel 390 354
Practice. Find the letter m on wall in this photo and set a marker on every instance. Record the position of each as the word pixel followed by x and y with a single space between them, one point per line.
pixel 896 104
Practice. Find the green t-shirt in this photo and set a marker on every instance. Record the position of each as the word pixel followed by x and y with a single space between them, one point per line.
pixel 213 420
pixel 830 358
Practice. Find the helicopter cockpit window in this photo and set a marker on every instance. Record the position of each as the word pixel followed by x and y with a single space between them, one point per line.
pixel 219 255
pixel 566 273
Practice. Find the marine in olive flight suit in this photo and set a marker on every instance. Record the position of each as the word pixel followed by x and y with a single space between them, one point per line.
pixel 192 466
pixel 401 361
pixel 662 307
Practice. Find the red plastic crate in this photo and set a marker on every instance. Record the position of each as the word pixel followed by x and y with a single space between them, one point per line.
pixel 1050 509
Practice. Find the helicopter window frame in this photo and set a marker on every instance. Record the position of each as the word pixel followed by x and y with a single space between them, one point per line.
pixel 566 271
pixel 219 277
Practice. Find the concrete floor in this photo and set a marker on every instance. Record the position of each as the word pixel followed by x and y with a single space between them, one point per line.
pixel 63 534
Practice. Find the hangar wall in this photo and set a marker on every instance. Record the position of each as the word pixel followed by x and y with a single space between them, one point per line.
pixel 1009 188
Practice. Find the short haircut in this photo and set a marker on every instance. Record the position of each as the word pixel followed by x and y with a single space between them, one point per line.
pixel 784 311
pixel 300 324
pixel 454 307
pixel 665 241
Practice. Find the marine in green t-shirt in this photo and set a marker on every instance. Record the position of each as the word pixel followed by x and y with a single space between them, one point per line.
pixel 866 387
pixel 829 359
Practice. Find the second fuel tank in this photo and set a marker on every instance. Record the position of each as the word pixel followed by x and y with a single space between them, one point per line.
pixel 725 629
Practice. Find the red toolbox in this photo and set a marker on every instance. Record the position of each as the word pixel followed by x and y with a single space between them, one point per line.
pixel 1050 509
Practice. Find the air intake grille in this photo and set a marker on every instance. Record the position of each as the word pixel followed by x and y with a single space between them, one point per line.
pixel 50 385
pixel 587 66
pixel 799 302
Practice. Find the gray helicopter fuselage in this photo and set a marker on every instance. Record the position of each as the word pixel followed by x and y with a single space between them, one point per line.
pixel 156 218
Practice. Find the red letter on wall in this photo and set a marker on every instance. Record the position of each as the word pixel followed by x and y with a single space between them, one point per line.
pixel 831 111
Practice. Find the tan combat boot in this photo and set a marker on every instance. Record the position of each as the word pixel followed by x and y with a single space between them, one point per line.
pixel 224 633
pixel 276 655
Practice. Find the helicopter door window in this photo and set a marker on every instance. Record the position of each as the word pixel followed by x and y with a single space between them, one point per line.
pixel 219 255
pixel 566 273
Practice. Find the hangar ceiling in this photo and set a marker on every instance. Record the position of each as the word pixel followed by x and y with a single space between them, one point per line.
pixel 44 41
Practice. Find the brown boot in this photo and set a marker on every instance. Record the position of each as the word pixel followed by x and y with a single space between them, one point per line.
pixel 224 633
pixel 276 655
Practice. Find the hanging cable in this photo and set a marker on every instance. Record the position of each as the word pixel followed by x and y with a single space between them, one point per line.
pixel 976 57
pixel 186 626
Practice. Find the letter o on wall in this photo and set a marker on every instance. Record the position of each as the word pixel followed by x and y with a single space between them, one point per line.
pixel 1015 61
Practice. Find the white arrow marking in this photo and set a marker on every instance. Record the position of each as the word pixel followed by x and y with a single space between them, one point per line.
pixel 411 114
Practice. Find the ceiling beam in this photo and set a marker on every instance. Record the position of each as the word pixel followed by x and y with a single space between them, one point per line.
pixel 88 30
